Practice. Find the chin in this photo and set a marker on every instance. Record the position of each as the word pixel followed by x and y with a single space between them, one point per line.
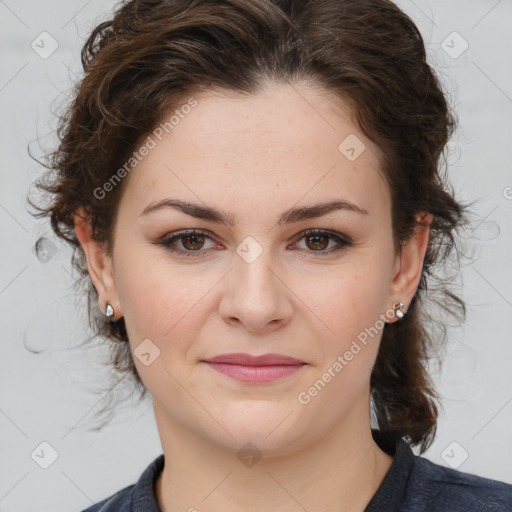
pixel 267 437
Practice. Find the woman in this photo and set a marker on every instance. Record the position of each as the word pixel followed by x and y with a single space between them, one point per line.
pixel 254 189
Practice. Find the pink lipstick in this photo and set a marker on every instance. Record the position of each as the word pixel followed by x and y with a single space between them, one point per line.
pixel 255 369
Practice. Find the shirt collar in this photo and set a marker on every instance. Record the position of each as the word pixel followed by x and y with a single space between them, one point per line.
pixel 393 488
pixel 388 495
pixel 144 492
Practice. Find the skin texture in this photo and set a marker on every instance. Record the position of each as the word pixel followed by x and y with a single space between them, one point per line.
pixel 255 158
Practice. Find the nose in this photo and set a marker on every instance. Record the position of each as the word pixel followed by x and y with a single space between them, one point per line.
pixel 255 296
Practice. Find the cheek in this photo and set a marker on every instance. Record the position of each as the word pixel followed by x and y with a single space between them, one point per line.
pixel 163 302
pixel 157 306
pixel 350 305
pixel 152 296
pixel 349 299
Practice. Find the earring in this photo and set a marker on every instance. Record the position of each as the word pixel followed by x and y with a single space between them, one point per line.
pixel 397 306
pixel 109 312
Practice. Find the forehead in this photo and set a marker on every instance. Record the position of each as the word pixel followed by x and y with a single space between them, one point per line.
pixel 231 148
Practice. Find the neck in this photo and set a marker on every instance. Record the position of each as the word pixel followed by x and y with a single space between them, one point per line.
pixel 339 473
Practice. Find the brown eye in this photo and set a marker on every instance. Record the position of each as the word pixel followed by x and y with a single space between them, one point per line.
pixel 193 242
pixel 317 242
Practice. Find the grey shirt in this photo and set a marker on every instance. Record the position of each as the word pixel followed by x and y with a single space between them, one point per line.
pixel 412 484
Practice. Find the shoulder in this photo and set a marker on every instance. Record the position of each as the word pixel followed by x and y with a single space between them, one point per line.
pixel 118 502
pixel 446 489
pixel 141 494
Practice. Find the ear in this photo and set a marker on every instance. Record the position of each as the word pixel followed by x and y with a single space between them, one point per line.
pixel 99 264
pixel 409 264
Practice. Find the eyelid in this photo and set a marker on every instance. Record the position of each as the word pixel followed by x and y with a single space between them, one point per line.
pixel 176 235
pixel 313 231
pixel 168 239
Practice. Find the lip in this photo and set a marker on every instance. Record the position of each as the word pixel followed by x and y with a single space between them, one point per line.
pixel 255 369
pixel 249 360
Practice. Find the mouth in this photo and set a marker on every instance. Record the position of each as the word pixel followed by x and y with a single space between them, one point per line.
pixel 255 369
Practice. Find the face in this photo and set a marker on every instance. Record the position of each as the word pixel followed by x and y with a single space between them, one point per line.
pixel 261 282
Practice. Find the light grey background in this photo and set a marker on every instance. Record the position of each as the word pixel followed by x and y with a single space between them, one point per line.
pixel 45 386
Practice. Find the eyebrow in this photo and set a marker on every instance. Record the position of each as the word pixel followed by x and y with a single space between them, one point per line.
pixel 288 217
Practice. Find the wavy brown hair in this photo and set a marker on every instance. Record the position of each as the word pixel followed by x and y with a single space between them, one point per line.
pixel 153 54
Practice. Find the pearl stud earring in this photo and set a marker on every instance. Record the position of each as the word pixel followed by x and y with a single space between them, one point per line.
pixel 109 312
pixel 397 306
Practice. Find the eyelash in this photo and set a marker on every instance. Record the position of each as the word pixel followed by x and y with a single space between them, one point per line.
pixel 168 240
